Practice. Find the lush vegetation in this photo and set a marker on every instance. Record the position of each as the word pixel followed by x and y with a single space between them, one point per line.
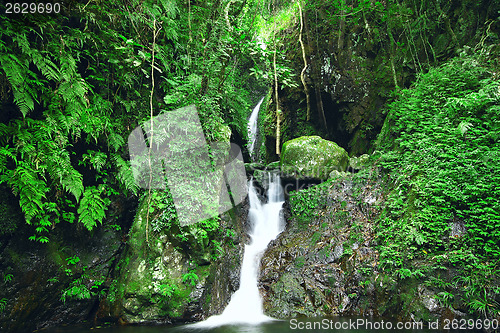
pixel 74 85
pixel 442 155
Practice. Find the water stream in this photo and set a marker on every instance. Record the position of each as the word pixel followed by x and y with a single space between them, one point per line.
pixel 266 223
pixel 252 129
pixel 245 306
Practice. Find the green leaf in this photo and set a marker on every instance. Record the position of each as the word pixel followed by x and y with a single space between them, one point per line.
pixel 92 209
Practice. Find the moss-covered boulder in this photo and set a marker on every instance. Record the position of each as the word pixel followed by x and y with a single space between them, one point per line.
pixel 359 162
pixel 312 157
pixel 171 273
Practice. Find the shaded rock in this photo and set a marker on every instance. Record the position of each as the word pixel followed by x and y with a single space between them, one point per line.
pixel 326 262
pixel 312 157
pixel 164 280
pixel 251 167
pixel 59 282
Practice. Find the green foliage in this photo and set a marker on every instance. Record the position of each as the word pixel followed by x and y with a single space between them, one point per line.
pixel 75 92
pixel 3 304
pixel 305 204
pixel 300 262
pixel 445 167
pixel 84 284
pixel 197 239
pixel 73 260
pixel 191 278
pixel 442 158
pixel 168 290
pixel 7 278
pixel 92 209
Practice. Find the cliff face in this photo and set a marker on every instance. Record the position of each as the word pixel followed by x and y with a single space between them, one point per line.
pixel 60 282
pixel 328 262
pixel 359 55
pixel 112 275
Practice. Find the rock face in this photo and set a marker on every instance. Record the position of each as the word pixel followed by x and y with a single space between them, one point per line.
pixel 164 280
pixel 326 263
pixel 354 63
pixel 112 275
pixel 59 282
pixel 312 157
pixel 314 268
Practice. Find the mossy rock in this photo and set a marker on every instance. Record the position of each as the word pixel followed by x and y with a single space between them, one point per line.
pixel 273 165
pixel 358 163
pixel 312 157
pixel 251 167
pixel 338 174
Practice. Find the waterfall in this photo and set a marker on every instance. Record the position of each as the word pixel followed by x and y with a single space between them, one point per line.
pixel 252 129
pixel 245 306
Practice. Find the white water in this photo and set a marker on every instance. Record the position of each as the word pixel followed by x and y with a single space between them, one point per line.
pixel 245 306
pixel 252 129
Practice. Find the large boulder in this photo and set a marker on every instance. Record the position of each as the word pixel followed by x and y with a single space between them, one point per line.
pixel 312 157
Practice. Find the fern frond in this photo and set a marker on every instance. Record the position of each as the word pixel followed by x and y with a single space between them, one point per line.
pixel 16 73
pixel 6 152
pixel 115 140
pixel 60 169
pixel 31 190
pixel 46 67
pixel 5 132
pixel 92 209
pixel 125 174
pixel 96 158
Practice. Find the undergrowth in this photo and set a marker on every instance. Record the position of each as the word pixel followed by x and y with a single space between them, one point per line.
pixel 441 153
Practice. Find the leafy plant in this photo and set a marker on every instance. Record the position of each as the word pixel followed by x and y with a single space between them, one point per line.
pixel 92 209
pixel 191 278
pixel 3 304
pixel 168 289
pixel 438 154
pixel 7 278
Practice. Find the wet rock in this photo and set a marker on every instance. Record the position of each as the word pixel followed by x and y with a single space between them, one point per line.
pixel 327 264
pixel 315 267
pixel 250 168
pixel 59 282
pixel 164 281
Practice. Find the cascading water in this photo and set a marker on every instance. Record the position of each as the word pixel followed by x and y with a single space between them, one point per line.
pixel 266 223
pixel 252 129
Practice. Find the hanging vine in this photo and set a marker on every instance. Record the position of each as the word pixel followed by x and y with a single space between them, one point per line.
pixel 303 72
pixel 155 34
pixel 276 97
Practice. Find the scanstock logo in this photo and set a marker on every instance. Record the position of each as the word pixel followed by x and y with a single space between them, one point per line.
pixel 203 180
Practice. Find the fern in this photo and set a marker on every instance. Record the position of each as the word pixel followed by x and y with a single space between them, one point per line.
pixel 4 153
pixel 96 158
pixel 115 140
pixel 16 73
pixel 60 168
pixel 125 174
pixel 31 190
pixel 92 209
pixel 5 132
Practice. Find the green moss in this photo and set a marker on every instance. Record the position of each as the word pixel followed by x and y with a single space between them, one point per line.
pixel 312 156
